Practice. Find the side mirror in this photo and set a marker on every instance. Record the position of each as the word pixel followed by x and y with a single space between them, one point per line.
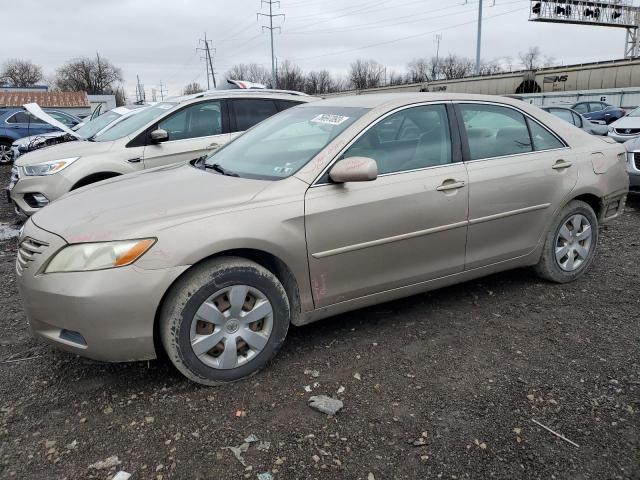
pixel 159 136
pixel 354 169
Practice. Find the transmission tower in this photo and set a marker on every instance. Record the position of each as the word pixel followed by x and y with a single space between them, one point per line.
pixel 162 91
pixel 271 28
pixel 208 61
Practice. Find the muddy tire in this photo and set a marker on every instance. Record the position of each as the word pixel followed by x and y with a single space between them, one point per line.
pixel 570 245
pixel 224 320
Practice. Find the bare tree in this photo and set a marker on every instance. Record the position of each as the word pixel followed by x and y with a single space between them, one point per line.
pixel 250 72
pixel 92 75
pixel 192 88
pixel 453 67
pixel 319 82
pixel 422 70
pixel 290 76
pixel 396 78
pixel 531 59
pixel 120 94
pixel 491 68
pixel 366 74
pixel 20 73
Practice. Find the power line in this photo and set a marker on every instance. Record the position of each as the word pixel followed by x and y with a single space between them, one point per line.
pixel 162 91
pixel 271 28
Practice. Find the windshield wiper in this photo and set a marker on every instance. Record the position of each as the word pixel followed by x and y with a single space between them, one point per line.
pixel 218 168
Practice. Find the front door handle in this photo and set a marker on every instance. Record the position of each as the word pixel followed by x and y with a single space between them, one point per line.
pixel 135 160
pixel 450 185
pixel 562 164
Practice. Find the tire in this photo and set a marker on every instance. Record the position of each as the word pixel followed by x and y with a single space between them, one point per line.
pixel 212 290
pixel 6 155
pixel 562 258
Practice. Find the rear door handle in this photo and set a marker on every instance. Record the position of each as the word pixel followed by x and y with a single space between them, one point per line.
pixel 561 165
pixel 450 185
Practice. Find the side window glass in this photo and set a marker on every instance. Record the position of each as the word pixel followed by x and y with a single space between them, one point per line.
pixel 198 120
pixel 582 108
pixel 23 117
pixel 543 139
pixel 413 138
pixel 495 131
pixel 595 107
pixel 577 120
pixel 250 111
pixel 563 114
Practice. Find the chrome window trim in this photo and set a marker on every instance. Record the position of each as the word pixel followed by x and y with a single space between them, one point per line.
pixel 371 125
pixel 517 155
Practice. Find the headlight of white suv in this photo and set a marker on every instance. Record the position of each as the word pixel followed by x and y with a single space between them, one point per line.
pixel 83 257
pixel 48 168
pixel 610 129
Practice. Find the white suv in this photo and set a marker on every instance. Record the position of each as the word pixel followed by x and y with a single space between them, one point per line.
pixel 177 130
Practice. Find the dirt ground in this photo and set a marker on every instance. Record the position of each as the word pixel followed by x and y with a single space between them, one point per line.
pixel 441 385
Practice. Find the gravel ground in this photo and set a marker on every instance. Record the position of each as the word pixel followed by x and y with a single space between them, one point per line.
pixel 440 385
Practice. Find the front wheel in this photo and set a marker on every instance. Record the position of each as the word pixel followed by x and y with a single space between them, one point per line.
pixel 6 155
pixel 570 244
pixel 224 320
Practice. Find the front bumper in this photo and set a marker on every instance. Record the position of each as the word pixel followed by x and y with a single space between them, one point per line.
pixel 106 315
pixel 51 186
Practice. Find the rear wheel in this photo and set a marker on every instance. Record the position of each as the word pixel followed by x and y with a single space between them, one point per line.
pixel 6 155
pixel 570 245
pixel 224 320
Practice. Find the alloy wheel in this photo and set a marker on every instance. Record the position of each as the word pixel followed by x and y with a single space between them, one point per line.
pixel 573 243
pixel 6 155
pixel 231 327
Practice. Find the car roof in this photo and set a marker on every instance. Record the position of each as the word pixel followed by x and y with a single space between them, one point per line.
pixel 234 93
pixel 406 98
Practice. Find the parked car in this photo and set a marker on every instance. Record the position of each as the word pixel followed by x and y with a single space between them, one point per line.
pixel 82 131
pixel 600 111
pixel 17 123
pixel 172 131
pixel 324 208
pixel 574 118
pixel 626 128
pixel 633 163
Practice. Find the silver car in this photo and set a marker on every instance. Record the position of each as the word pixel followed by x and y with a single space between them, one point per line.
pixel 172 131
pixel 321 209
pixel 626 128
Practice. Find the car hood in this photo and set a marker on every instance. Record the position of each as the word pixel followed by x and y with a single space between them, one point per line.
pixel 21 142
pixel 144 203
pixel 627 122
pixel 64 150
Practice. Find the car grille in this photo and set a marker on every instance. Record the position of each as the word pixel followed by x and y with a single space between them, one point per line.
pixel 627 131
pixel 636 159
pixel 28 249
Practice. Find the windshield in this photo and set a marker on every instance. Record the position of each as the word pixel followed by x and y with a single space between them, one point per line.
pixel 134 122
pixel 281 145
pixel 92 127
pixel 634 113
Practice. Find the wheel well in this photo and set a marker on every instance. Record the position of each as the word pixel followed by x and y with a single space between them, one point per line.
pixel 593 201
pixel 272 263
pixel 93 178
pixel 6 140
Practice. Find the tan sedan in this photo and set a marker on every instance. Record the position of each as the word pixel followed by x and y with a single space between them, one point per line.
pixel 324 208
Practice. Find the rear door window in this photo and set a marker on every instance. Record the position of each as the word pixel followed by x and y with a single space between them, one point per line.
pixel 284 104
pixel 542 138
pixel 23 117
pixel 495 131
pixel 250 111
pixel 582 108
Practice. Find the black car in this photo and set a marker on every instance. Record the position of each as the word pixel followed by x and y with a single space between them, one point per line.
pixel 596 110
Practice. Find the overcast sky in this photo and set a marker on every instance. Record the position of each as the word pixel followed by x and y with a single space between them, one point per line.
pixel 158 40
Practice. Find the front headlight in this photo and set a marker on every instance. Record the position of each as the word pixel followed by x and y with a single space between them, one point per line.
pixel 48 168
pixel 610 129
pixel 83 257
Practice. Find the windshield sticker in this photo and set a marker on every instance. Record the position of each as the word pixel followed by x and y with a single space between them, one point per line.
pixel 328 119
pixel 283 171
